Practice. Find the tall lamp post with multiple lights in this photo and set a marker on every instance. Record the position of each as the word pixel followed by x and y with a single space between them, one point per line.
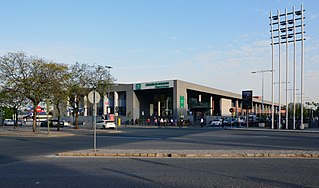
pixel 288 28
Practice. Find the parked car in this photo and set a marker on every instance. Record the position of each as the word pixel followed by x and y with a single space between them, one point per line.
pixel 11 122
pixel 242 120
pixel 226 121
pixel 230 121
pixel 52 123
pixel 234 121
pixel 8 122
pixel 216 122
pixel 30 122
pixel 65 123
pixel 106 124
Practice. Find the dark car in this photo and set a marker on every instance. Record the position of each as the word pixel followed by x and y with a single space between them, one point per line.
pixel 52 123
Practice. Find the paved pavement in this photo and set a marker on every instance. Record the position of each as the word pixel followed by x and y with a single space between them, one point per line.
pixel 27 132
pixel 43 132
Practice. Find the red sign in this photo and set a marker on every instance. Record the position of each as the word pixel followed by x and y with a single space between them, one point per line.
pixel 38 109
pixel 111 117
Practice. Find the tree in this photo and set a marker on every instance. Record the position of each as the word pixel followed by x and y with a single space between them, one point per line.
pixel 314 108
pixel 58 75
pixel 14 100
pixel 38 79
pixel 34 77
pixel 83 79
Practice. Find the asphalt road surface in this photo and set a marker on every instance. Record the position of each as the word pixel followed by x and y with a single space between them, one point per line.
pixel 141 172
pixel 30 162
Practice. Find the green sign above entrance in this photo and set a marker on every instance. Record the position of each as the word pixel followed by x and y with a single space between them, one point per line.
pixel 181 102
pixel 154 85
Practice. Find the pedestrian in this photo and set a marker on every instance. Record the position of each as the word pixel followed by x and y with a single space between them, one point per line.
pixel 148 121
pixel 166 122
pixel 202 122
pixel 155 121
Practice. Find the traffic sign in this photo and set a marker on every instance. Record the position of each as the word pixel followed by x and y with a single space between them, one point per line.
pixel 38 109
pixel 94 97
pixel 231 110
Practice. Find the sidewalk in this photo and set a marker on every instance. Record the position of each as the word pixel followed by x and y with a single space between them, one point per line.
pixel 27 132
pixel 24 131
pixel 306 130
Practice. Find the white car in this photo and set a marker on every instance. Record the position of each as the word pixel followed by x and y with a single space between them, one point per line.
pixel 106 124
pixel 11 122
pixel 216 122
pixel 8 122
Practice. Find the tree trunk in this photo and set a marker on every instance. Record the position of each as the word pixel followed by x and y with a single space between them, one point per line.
pixel 15 110
pixel 34 125
pixel 59 116
pixel 76 113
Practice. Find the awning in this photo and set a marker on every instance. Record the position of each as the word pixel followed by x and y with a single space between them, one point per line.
pixel 199 108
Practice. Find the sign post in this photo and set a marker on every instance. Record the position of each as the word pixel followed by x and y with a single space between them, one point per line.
pixel 94 98
pixel 231 110
pixel 247 97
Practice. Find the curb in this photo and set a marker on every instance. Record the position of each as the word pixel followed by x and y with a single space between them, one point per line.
pixel 272 130
pixel 274 154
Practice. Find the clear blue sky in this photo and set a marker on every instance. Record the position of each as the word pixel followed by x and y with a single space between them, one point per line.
pixel 208 42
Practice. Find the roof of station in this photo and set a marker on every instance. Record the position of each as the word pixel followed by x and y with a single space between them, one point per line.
pixel 190 86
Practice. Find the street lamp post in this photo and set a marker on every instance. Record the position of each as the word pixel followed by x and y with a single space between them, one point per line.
pixel 108 88
pixel 262 87
pixel 287 101
pixel 279 111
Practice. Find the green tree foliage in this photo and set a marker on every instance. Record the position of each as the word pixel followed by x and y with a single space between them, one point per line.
pixel 34 77
pixel 83 79
pixel 14 100
pixel 313 109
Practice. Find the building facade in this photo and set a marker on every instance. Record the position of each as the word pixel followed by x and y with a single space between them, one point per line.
pixel 174 99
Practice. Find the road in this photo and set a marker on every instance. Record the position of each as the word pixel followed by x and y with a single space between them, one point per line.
pixel 30 161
